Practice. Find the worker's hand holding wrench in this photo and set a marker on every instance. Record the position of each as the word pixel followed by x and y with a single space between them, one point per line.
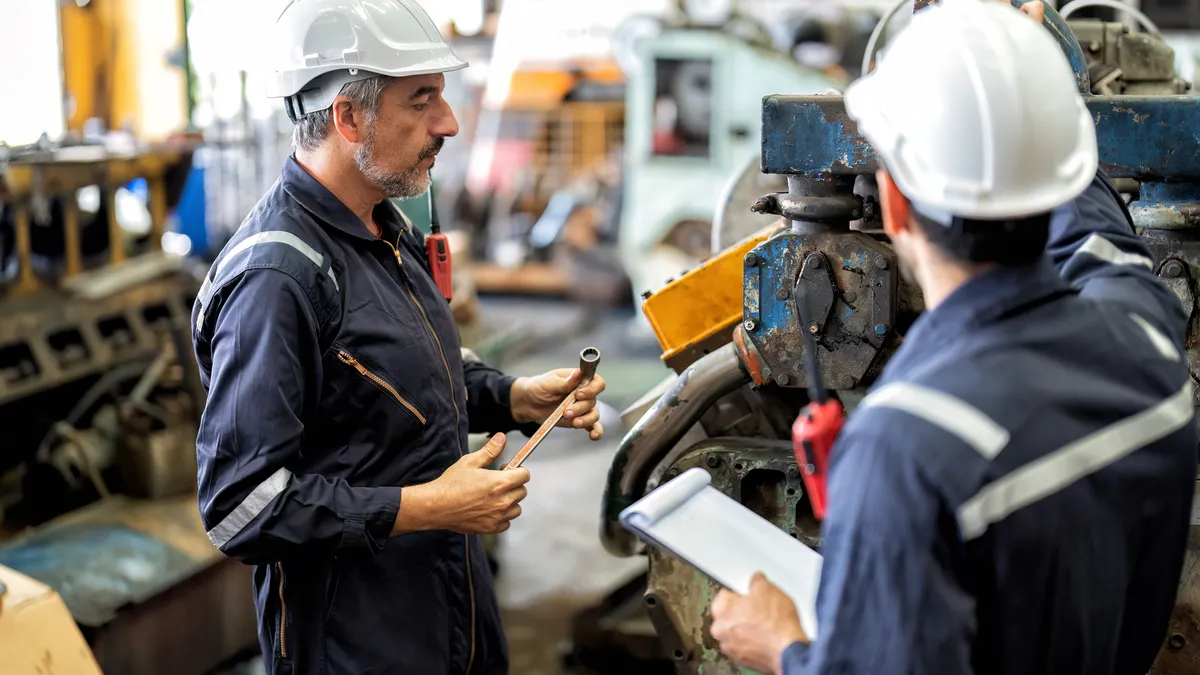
pixel 535 398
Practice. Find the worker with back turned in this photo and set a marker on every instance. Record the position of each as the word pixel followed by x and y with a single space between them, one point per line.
pixel 333 446
pixel 1013 496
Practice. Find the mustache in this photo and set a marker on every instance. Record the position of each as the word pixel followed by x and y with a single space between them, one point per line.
pixel 433 148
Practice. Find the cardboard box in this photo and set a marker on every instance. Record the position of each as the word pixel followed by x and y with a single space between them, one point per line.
pixel 37 633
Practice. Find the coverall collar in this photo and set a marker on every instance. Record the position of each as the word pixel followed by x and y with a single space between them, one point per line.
pixel 988 297
pixel 327 208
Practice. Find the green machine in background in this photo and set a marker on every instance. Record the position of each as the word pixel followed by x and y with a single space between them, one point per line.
pixel 417 210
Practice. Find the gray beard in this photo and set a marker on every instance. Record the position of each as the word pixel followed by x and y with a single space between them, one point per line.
pixel 401 185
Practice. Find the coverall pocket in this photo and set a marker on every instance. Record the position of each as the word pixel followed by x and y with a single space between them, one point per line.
pixel 391 624
pixel 375 375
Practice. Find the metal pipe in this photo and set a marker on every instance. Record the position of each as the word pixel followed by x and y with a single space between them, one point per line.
pixel 680 407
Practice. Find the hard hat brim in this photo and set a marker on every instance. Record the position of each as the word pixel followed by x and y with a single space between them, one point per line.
pixel 291 82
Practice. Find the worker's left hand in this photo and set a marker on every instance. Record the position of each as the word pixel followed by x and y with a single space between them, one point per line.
pixel 534 398
pixel 755 629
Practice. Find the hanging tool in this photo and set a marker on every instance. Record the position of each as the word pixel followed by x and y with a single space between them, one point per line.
pixel 818 425
pixel 589 359
pixel 438 248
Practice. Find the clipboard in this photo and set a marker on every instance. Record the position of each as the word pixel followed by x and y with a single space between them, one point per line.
pixel 726 541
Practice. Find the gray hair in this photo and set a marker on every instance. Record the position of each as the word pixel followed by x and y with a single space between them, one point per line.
pixel 311 129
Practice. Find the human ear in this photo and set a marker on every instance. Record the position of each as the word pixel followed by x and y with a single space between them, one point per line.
pixel 894 205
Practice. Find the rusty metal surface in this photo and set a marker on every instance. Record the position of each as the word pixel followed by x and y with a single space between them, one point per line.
pixel 1126 63
pixel 1180 651
pixel 1177 255
pixel 862 308
pixel 761 475
pixel 676 411
pixel 55 338
pixel 812 135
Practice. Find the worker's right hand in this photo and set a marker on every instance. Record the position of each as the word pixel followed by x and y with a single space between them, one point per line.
pixel 468 498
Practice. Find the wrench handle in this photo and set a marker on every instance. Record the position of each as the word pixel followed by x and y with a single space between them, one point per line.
pixel 589 359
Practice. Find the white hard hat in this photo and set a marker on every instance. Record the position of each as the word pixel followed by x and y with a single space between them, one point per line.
pixel 975 113
pixel 318 46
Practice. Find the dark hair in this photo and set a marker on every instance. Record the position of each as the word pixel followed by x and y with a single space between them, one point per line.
pixel 1005 242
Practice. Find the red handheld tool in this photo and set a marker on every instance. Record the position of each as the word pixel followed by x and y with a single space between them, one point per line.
pixel 438 248
pixel 818 425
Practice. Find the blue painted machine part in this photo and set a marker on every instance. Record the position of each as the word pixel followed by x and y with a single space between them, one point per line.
pixel 98 568
pixel 1145 138
pixel 191 212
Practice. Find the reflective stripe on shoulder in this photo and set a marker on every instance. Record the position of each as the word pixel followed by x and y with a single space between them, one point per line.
pixel 268 237
pixel 1161 342
pixel 1050 474
pixel 251 506
pixel 1109 253
pixel 950 413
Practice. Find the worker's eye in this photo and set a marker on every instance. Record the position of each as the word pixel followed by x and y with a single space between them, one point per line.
pixel 420 107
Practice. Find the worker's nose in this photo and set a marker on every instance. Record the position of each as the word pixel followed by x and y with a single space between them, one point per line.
pixel 447 124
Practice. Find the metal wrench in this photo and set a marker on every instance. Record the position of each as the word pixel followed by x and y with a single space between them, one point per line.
pixel 589 359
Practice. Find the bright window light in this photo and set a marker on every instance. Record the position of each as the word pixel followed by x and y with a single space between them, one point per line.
pixel 31 71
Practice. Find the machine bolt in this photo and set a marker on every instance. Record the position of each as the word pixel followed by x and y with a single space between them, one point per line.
pixel 850 296
pixel 793 472
pixel 814 328
pixel 750 325
pixel 1176 642
pixel 712 461
pixel 672 473
pixel 782 379
pixel 646 294
pixel 880 329
pixel 1094 46
pixel 1172 269
pixel 815 261
pixel 751 259
pixel 881 262
pixel 782 294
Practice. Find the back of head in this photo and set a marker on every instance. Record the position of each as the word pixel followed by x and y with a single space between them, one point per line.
pixel 976 116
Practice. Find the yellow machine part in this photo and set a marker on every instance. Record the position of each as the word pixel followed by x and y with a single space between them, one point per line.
pixel 696 313
pixel 116 68
pixel 37 632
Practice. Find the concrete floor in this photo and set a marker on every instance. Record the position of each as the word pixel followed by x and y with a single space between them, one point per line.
pixel 552 564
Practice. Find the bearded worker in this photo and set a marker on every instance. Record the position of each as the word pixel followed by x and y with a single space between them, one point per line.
pixel 333 446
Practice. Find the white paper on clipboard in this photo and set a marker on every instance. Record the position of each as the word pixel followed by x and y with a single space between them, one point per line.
pixel 726 541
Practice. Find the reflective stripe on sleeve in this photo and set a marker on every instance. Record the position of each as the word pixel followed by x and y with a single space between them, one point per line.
pixel 1054 472
pixel 251 506
pixel 1161 342
pixel 947 412
pixel 268 237
pixel 1109 253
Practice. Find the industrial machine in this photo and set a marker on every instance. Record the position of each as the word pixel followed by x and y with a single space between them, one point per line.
pixel 730 327
pixel 99 402
pixel 691 121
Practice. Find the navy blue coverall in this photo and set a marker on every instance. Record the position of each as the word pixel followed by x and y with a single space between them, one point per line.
pixel 1014 495
pixel 334 378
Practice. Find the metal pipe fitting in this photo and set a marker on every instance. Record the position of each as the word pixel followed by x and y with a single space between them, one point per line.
pixel 649 441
